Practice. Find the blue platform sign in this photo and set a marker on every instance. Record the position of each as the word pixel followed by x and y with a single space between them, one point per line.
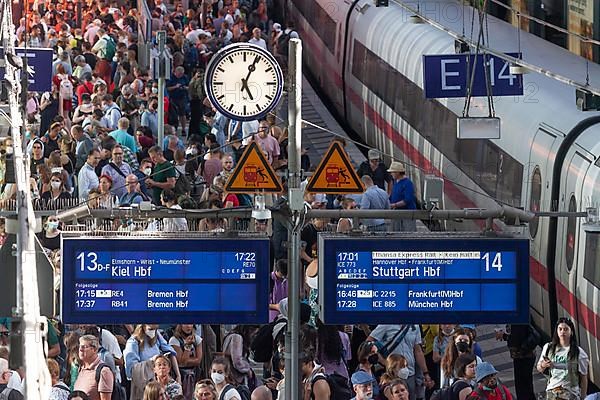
pixel 218 281
pixel 447 75
pixel 433 280
pixel 39 62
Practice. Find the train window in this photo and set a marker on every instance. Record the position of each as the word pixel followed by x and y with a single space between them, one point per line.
pixel 591 272
pixel 324 25
pixel 571 231
pixel 535 199
pixel 499 174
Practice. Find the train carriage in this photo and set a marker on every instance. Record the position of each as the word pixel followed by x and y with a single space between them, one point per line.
pixel 546 159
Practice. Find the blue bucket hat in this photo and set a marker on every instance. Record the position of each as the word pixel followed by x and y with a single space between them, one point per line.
pixel 484 370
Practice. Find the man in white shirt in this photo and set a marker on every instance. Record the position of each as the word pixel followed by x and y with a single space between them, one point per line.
pixel 90 34
pixel 257 38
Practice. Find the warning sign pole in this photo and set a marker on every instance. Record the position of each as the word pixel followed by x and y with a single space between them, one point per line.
pixel 292 337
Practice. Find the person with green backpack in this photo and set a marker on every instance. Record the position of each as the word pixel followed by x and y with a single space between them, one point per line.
pixel 105 48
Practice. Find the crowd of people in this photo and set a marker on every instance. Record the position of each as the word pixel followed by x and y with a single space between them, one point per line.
pixel 93 139
pixel 200 362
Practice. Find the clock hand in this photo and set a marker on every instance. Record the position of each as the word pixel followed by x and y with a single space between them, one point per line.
pixel 245 86
pixel 252 68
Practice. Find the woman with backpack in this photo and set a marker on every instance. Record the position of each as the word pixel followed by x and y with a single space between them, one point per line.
pixel 188 346
pixel 65 85
pixel 464 368
pixel 564 363
pixel 221 376
pixel 236 346
pixel 333 349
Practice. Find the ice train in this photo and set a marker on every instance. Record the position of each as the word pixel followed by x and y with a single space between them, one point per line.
pixel 367 61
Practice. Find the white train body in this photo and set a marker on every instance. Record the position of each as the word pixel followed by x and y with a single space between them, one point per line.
pixel 368 62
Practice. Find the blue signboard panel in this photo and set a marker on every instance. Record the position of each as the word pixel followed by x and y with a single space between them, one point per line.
pixel 447 75
pixel 392 280
pixel 165 281
pixel 39 62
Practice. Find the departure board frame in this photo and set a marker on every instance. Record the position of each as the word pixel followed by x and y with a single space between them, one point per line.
pixel 199 280
pixel 466 294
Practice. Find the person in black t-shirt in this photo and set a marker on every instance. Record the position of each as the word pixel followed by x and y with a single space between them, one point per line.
pixel 377 170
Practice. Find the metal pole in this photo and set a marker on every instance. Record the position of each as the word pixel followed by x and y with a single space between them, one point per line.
pixel 27 310
pixel 292 365
pixel 161 36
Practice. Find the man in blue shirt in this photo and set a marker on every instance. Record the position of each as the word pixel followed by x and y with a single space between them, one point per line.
pixel 177 87
pixel 374 198
pixel 402 198
pixel 150 116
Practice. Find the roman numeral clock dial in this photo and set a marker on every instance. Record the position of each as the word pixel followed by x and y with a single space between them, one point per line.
pixel 244 82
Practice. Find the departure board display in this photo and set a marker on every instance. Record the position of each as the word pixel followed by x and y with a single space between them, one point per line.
pixel 165 280
pixel 423 280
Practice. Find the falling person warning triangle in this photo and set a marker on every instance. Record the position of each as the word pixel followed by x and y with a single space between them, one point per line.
pixel 253 173
pixel 335 174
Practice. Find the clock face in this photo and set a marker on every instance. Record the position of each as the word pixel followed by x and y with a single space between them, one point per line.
pixel 244 81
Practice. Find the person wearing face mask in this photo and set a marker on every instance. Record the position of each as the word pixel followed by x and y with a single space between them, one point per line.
pixel 144 344
pixel 141 173
pixel 223 382
pixel 50 237
pixel 396 368
pixel 52 198
pixel 368 357
pixel 150 116
pixel 460 344
pixel 488 387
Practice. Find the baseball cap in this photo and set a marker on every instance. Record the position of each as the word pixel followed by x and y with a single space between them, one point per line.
pixel 277 27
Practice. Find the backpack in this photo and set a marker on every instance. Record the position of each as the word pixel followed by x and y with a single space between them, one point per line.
pixel 243 390
pixel 283 44
pixel 111 48
pixel 338 386
pixel 244 199
pixel 446 393
pixel 190 55
pixel 108 112
pixel 182 184
pixel 118 392
pixel 261 347
pixel 66 89
pixel 5 394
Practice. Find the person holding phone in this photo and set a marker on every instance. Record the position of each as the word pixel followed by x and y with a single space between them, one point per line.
pixel 565 363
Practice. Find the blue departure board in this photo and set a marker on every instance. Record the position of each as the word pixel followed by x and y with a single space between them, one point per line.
pixel 168 280
pixel 423 280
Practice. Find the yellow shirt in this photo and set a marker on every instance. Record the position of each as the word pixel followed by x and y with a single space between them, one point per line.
pixel 430 332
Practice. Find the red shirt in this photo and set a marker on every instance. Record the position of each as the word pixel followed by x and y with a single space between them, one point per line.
pixel 496 394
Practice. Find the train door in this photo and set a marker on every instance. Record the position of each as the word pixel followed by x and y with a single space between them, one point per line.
pixel 574 171
pixel 539 173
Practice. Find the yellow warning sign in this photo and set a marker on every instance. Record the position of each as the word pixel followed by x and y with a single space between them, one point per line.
pixel 253 174
pixel 335 174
